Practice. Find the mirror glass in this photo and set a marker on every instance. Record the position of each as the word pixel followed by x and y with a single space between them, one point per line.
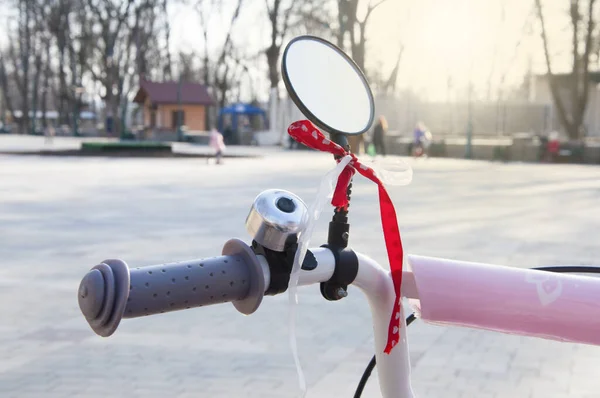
pixel 327 86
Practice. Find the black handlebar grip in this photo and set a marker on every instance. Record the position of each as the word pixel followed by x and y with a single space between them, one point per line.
pixel 110 291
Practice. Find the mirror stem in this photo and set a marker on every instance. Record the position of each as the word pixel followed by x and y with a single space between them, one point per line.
pixel 341 140
pixel 339 228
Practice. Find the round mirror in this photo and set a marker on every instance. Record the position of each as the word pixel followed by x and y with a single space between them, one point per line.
pixel 327 86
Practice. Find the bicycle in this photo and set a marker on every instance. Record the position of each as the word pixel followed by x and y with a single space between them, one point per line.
pixel 450 292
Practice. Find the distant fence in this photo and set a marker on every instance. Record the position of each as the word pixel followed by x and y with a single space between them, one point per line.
pixel 451 118
pixel 489 119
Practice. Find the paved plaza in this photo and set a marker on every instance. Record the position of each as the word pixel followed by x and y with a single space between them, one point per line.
pixel 59 216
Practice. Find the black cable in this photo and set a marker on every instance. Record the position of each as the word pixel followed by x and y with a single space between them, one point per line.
pixel 367 373
pixel 576 269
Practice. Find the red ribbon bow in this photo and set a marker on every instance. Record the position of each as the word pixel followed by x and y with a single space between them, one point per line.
pixel 306 133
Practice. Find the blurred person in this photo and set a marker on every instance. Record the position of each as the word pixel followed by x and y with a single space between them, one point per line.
pixel 422 138
pixel 248 136
pixel 217 144
pixel 379 133
pixel 553 146
pixel 543 148
pixel 49 134
pixel 228 133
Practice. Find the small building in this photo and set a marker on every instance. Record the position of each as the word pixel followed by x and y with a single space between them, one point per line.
pixel 161 103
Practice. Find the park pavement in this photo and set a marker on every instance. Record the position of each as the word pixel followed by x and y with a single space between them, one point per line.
pixel 60 216
pixel 25 144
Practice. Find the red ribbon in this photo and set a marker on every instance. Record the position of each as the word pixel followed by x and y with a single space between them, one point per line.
pixel 306 133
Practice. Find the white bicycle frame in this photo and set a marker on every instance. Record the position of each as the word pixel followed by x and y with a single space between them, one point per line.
pixel 499 298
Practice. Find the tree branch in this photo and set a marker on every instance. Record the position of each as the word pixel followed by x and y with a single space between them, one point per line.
pixel 227 42
pixel 575 17
pixel 95 9
pixel 4 84
pixel 586 56
pixel 17 75
pixel 286 18
pixel 370 9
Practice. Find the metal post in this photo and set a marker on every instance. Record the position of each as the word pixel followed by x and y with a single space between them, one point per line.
pixel 123 123
pixel 2 110
pixel 75 112
pixel 469 149
pixel 180 111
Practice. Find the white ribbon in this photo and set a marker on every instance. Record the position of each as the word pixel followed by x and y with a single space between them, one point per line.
pixel 324 195
pixel 390 171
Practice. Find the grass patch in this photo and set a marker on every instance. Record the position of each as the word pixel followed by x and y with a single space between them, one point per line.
pixel 129 146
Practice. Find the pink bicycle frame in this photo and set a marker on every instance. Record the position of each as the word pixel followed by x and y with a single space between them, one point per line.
pixel 499 298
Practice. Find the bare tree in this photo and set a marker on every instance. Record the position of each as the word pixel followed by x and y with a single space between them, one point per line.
pixel 188 69
pixel 351 26
pixel 571 111
pixel 167 67
pixel 389 85
pixel 59 48
pixel 312 17
pixel 59 26
pixel 279 13
pixel 225 64
pixel 21 60
pixel 41 55
pixel 109 18
pixel 355 28
pixel 204 9
pixel 125 43
pixel 303 16
pixel 24 61
pixel 4 84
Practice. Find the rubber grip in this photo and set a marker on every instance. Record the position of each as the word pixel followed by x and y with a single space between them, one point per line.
pixel 171 287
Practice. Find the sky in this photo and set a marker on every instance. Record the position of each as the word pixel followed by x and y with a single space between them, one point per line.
pixel 447 44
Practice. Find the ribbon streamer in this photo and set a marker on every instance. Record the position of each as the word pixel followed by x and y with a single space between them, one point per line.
pixel 306 133
pixel 324 193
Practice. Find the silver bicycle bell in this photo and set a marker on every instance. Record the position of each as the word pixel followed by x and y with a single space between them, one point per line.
pixel 275 216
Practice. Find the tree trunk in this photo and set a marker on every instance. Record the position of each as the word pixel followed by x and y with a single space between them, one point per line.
pixel 35 94
pixel 342 12
pixel 24 50
pixel 47 72
pixel 168 75
pixel 6 97
pixel 272 52
pixel 576 72
pixel 63 113
pixel 572 117
pixel 560 106
pixel 73 92
pixel 272 60
pixel 358 53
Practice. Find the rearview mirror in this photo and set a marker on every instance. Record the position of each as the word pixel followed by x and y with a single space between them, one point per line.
pixel 327 86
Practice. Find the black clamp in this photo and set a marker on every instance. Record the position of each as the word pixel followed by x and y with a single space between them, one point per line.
pixel 344 273
pixel 281 264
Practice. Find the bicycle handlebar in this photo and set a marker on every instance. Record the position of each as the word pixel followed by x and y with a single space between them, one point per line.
pixel 111 291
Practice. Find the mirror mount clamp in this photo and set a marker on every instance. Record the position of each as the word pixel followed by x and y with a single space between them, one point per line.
pixel 339 228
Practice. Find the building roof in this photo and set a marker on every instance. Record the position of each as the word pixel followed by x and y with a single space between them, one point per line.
pixel 166 93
